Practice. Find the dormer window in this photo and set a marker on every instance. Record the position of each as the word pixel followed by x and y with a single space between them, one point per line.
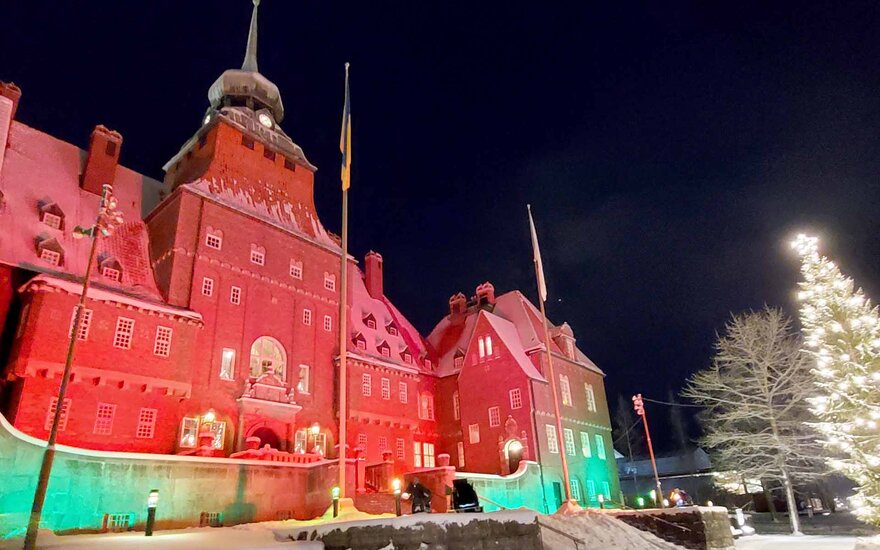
pixel 370 321
pixel 296 269
pixel 428 364
pixel 111 269
pixel 360 342
pixel 214 238
pixel 385 349
pixel 569 348
pixel 392 330
pixel 51 252
pixel 330 282
pixel 407 357
pixel 258 255
pixel 458 361
pixel 52 215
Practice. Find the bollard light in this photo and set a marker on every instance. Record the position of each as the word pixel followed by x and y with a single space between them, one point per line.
pixel 601 501
pixel 640 502
pixel 334 492
pixel 395 484
pixel 665 502
pixel 709 503
pixel 152 503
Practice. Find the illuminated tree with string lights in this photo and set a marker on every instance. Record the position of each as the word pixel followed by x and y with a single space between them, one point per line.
pixel 842 334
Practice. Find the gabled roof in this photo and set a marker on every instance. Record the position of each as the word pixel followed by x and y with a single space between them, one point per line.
pixel 508 334
pixel 512 307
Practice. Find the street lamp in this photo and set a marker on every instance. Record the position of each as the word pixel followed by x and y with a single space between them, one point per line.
pixel 152 503
pixel 210 416
pixel 107 220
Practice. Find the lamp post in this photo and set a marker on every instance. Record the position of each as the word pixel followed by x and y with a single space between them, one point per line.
pixel 107 220
pixel 335 494
pixel 152 503
pixel 395 483
pixel 639 406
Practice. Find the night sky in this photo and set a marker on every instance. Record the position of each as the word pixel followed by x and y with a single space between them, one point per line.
pixel 669 151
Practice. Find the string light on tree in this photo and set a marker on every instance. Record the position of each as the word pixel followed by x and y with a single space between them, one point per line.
pixel 841 331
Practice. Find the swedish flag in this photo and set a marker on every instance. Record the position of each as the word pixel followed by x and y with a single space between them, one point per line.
pixel 345 138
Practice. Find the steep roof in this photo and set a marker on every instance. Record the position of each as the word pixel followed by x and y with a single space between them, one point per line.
pixel 385 314
pixel 508 334
pixel 241 195
pixel 40 170
pixel 511 307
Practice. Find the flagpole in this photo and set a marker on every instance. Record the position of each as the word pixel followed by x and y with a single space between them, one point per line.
pixel 570 503
pixel 343 292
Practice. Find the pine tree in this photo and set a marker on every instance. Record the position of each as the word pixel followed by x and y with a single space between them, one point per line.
pixel 842 333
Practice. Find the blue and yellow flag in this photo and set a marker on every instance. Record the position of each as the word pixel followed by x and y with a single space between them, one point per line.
pixel 345 138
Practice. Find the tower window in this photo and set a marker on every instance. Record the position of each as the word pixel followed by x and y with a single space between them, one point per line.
pixel 247 142
pixel 111 149
pixel 269 154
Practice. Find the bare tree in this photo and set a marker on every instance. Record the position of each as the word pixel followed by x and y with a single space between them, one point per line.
pixel 755 404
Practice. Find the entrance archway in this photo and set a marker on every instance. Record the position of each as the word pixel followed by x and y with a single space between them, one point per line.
pixel 267 437
pixel 513 449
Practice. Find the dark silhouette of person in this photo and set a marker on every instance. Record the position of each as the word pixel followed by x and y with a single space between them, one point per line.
pixel 419 495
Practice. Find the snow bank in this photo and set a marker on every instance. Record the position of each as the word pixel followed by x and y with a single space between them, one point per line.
pixel 597 530
pixel 869 543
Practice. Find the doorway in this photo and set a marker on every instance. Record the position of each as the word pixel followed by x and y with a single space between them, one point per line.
pixel 267 437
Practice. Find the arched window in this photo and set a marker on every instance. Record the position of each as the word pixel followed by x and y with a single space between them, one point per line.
pixel 268 355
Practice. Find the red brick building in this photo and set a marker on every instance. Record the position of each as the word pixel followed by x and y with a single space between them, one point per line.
pixel 215 306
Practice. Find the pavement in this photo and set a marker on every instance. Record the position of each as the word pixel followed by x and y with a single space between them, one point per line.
pixel 788 542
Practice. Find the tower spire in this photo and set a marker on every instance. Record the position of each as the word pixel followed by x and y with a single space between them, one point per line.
pixel 250 55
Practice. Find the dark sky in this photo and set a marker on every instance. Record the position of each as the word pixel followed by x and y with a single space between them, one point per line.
pixel 669 149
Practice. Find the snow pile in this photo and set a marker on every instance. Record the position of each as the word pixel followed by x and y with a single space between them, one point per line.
pixel 870 543
pixel 206 538
pixel 597 530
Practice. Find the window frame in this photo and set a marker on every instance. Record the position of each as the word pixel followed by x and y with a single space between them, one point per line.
pixel 473 434
pixel 494 419
pixel 307 369
pixel 568 442
pixel 223 360
pixel 207 286
pixel 162 341
pixel 123 337
pixel 104 416
pixel 235 295
pixel 565 390
pixel 307 317
pixel 515 396
pixel 146 427
pixel 385 388
pixel 552 439
pixel 403 392
pixel 366 385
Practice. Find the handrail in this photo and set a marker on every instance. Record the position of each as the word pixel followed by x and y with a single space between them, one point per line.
pixel 577 542
pixel 490 501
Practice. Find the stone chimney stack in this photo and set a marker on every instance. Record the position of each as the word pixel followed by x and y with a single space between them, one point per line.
pixel 485 294
pixel 12 92
pixel 457 308
pixel 373 268
pixel 102 160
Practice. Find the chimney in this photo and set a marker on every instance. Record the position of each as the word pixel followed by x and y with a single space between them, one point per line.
pixel 457 308
pixel 102 160
pixel 373 261
pixel 485 294
pixel 12 92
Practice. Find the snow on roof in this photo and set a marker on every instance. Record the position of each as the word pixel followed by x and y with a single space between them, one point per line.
pixel 385 314
pixel 108 295
pixel 507 332
pixel 447 338
pixel 238 194
pixel 40 170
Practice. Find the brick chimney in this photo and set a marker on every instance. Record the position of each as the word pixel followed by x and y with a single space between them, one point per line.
pixel 12 92
pixel 457 308
pixel 102 160
pixel 485 294
pixel 373 261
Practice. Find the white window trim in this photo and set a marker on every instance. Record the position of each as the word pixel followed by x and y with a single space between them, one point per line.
pixel 207 286
pixel 328 323
pixel 366 385
pixel 515 398
pixel 162 343
pixel 235 295
pixel 214 240
pixel 386 389
pixel 494 417
pixel 568 440
pixel 146 427
pixel 456 405
pixel 552 441
pixel 473 433
pixel 586 449
pixel 104 423
pixel 565 390
pixel 231 355
pixel 307 317
pixel 403 392
pixel 123 336
pixel 304 388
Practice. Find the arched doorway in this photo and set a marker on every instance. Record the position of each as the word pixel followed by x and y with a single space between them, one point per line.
pixel 513 449
pixel 267 437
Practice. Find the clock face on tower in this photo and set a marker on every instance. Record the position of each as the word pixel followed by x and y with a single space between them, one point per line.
pixel 265 120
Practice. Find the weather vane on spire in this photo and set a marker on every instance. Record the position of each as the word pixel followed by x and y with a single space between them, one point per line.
pixel 250 55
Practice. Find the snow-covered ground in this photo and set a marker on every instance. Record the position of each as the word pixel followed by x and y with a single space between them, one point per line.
pixel 787 542
pixel 224 538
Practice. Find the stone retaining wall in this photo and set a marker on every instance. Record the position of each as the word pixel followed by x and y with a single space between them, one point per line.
pixel 694 527
pixel 86 486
